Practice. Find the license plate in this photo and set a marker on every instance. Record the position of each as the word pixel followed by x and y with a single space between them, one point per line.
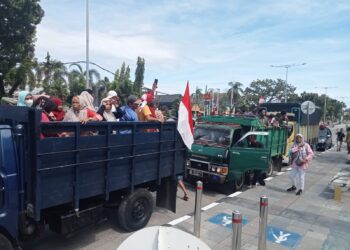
pixel 196 173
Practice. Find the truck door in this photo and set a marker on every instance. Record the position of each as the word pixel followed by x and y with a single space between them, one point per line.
pixel 245 155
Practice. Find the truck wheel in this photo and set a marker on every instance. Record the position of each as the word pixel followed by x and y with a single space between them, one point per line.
pixel 5 243
pixel 239 183
pixel 232 186
pixel 135 210
pixel 270 169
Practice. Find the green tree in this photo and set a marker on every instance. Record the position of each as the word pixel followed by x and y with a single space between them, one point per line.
pixel 139 76
pixel 18 20
pixel 235 92
pixel 126 85
pixel 23 76
pixel 52 72
pixel 76 80
pixel 269 89
pixel 115 83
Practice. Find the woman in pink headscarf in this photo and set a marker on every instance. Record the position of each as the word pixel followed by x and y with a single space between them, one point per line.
pixel 301 156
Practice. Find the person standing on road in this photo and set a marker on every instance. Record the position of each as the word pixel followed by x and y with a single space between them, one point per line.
pixel 340 138
pixel 258 175
pixel 301 156
pixel 347 139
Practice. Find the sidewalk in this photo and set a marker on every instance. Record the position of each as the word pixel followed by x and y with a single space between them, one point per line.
pixel 312 221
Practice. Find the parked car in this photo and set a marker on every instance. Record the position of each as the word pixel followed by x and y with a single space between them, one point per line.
pixel 324 138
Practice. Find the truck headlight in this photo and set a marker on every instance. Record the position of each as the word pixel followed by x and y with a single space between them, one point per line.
pixel 220 170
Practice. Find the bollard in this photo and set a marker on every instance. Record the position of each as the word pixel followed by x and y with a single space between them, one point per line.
pixel 236 230
pixel 337 193
pixel 198 209
pixel 263 222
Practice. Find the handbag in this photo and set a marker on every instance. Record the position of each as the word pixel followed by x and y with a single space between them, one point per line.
pixel 299 159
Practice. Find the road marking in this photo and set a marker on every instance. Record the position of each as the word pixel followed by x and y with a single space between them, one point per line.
pixel 210 206
pixel 268 179
pixel 280 173
pixel 179 220
pixel 234 194
pixel 289 169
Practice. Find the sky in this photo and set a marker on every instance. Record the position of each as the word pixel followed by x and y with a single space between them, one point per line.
pixel 207 42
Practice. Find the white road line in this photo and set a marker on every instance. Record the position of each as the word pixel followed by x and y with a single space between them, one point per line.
pixel 268 179
pixel 289 169
pixel 280 173
pixel 234 194
pixel 179 220
pixel 210 206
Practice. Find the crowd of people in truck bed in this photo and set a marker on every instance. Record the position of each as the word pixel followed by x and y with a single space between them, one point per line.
pixel 82 107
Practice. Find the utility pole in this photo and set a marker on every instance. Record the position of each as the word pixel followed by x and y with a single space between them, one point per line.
pixel 325 102
pixel 87 45
pixel 287 66
pixel 217 102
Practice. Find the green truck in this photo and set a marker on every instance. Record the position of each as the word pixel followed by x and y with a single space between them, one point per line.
pixel 221 153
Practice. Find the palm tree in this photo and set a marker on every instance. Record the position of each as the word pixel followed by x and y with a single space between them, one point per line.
pixel 51 71
pixel 199 95
pixel 77 80
pixel 235 90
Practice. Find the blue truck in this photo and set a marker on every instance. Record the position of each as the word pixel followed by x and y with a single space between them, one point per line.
pixel 69 182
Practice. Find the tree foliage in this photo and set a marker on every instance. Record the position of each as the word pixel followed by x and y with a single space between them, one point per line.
pixel 18 20
pixel 269 89
pixel 139 75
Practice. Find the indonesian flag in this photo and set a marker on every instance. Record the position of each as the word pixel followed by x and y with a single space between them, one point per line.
pixel 185 122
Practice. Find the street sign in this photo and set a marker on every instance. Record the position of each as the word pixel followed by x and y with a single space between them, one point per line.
pixel 225 220
pixel 308 105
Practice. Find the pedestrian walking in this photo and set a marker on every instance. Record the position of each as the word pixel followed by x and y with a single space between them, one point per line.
pixel 347 139
pixel 301 156
pixel 340 138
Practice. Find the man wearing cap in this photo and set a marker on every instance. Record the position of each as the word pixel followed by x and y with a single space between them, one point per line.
pixel 129 109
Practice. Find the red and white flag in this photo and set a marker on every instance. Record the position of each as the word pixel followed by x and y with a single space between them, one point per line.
pixel 185 122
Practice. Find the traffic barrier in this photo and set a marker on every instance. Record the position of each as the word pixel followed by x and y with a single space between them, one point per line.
pixel 197 209
pixel 263 222
pixel 236 230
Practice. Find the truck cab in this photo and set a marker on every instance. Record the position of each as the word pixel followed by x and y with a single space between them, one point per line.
pixel 221 152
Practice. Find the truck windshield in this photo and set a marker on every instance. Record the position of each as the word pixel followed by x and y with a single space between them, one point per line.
pixel 212 136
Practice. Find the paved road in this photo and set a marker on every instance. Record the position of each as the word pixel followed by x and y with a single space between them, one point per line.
pixel 107 235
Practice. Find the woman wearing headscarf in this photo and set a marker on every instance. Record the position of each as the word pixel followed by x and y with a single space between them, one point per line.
pixel 47 106
pixel 58 111
pixel 86 100
pixel 301 156
pixel 105 110
pixel 80 113
pixel 25 99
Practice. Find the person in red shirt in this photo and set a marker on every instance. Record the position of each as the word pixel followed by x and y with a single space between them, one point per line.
pixel 58 111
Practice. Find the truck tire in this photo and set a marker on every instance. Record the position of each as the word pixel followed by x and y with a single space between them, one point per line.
pixel 232 186
pixel 135 210
pixel 5 243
